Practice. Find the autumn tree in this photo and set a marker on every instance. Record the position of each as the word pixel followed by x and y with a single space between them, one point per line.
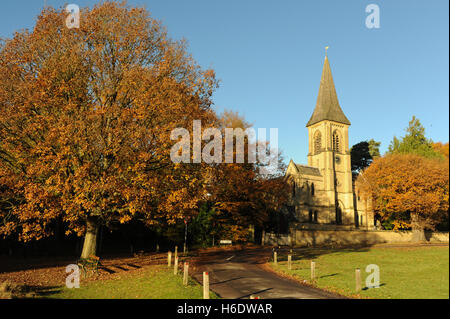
pixel 85 120
pixel 442 148
pixel 408 188
pixel 414 142
pixel 240 194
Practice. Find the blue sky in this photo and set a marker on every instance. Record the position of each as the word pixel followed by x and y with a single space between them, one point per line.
pixel 269 56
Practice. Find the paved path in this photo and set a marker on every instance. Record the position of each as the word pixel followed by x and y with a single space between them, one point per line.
pixel 238 274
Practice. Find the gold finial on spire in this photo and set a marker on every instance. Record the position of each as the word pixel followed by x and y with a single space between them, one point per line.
pixel 326 51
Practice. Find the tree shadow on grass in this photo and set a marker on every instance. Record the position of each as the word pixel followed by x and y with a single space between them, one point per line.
pixel 32 291
pixel 330 275
pixel 108 270
pixel 311 253
pixel 43 292
pixel 120 267
pixel 367 288
pixel 18 263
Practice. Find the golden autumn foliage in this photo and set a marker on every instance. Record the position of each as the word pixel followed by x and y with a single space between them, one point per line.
pixel 86 116
pixel 411 189
pixel 85 121
pixel 442 149
pixel 241 196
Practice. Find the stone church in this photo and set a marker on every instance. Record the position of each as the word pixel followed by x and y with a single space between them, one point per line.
pixel 322 193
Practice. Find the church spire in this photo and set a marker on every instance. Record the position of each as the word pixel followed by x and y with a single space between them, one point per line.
pixel 327 106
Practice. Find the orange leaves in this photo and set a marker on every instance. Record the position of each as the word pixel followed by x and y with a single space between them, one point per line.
pixel 407 183
pixel 442 148
pixel 240 196
pixel 124 219
pixel 86 116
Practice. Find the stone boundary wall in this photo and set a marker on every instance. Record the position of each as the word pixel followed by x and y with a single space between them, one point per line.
pixel 311 237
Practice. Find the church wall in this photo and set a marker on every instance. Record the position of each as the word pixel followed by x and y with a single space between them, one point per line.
pixel 323 214
pixel 356 237
pixel 365 211
pixel 348 214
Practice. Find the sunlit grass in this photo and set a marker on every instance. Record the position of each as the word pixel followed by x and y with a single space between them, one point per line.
pixel 156 282
pixel 405 273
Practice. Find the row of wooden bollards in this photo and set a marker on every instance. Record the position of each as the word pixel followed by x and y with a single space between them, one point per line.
pixel 313 270
pixel 169 260
pixel 186 273
pixel 169 257
pixel 176 266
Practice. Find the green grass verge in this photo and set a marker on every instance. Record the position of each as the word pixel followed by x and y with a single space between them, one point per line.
pixel 405 273
pixel 156 282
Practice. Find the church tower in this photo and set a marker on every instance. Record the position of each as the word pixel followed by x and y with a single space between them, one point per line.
pixel 329 149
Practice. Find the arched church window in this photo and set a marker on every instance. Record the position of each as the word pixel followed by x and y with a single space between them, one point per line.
pixel 336 142
pixel 293 189
pixel 312 189
pixel 317 142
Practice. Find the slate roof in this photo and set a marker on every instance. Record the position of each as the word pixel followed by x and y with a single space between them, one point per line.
pixel 308 170
pixel 327 105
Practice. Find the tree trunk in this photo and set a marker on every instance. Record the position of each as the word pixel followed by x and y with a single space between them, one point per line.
pixel 90 238
pixel 418 233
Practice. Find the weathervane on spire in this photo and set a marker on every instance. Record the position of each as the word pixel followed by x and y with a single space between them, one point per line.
pixel 326 50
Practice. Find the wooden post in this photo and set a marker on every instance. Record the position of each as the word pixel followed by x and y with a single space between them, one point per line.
pixel 169 258
pixel 176 251
pixel 175 266
pixel 185 273
pixel 313 271
pixel 358 279
pixel 205 285
pixel 275 259
pixel 289 262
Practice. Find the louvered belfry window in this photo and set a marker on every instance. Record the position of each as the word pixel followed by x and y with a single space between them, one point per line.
pixel 336 142
pixel 317 142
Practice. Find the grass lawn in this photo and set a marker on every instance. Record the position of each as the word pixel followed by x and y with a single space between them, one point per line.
pixel 156 282
pixel 405 273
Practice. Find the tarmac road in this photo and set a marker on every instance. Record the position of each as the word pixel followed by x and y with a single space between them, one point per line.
pixel 238 274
